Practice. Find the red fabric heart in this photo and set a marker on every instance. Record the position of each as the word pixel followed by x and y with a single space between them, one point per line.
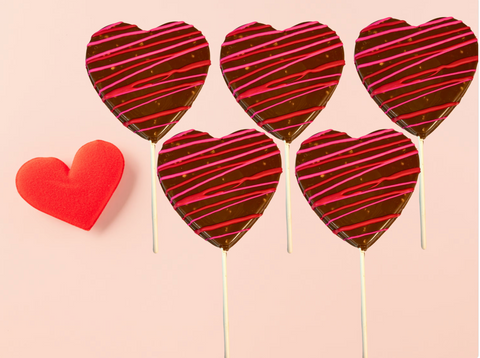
pixel 358 186
pixel 148 78
pixel 220 186
pixel 417 74
pixel 77 195
pixel 282 78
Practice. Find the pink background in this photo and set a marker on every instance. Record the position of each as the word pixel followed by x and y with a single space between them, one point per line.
pixel 69 293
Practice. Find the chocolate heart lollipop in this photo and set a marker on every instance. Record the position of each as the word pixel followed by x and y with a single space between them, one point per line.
pixel 282 79
pixel 220 187
pixel 417 74
pixel 358 187
pixel 148 79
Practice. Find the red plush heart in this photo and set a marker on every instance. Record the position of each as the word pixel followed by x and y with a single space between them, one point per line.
pixel 282 78
pixel 148 78
pixel 77 195
pixel 220 187
pixel 358 187
pixel 417 74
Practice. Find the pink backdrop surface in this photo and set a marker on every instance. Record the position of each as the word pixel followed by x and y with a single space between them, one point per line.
pixel 65 292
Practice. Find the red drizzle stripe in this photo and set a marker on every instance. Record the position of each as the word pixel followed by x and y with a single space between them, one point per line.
pixel 227 223
pixel 365 223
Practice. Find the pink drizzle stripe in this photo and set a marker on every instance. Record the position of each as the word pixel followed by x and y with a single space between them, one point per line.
pixel 416 50
pixel 233 204
pixel 166 165
pixel 98 57
pixel 357 162
pixel 284 128
pixel 250 162
pixel 94 43
pixel 386 44
pixel 379 137
pixel 269 43
pixel 106 28
pixel 450 49
pixel 156 99
pixel 422 95
pixel 369 28
pixel 270 33
pixel 368 233
pixel 366 206
pixel 160 125
pixel 364 172
pixel 241 28
pixel 152 66
pixel 422 123
pixel 366 192
pixel 232 233
pixel 294 83
pixel 384 32
pixel 316 53
pixel 163 83
pixel 225 193
pixel 286 100
pixel 391 88
pixel 436 21
pixel 376 23
pixel 299 49
pixel 165 177
pixel 149 54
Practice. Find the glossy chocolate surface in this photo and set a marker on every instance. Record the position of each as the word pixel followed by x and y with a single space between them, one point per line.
pixel 417 74
pixel 148 78
pixel 219 186
pixel 282 78
pixel 358 187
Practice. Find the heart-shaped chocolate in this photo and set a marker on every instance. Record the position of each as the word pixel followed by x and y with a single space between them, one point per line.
pixel 148 78
pixel 219 186
pixel 282 78
pixel 358 187
pixel 77 195
pixel 417 74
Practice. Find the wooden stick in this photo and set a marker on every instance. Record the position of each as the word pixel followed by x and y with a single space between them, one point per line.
pixel 422 197
pixel 288 205
pixel 153 163
pixel 363 304
pixel 226 339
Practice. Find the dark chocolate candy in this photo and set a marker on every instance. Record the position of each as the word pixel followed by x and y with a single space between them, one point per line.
pixel 219 186
pixel 148 78
pixel 358 187
pixel 417 74
pixel 282 78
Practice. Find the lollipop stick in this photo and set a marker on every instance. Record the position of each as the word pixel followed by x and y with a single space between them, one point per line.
pixel 153 163
pixel 422 197
pixel 363 303
pixel 226 338
pixel 288 197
